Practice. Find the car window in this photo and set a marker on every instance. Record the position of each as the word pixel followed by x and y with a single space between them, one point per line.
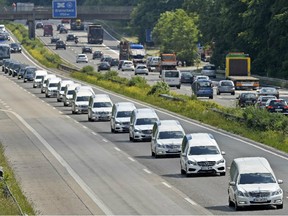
pixel 145 121
pixel 82 98
pixel 123 114
pixel 256 178
pixel 278 103
pixel 102 104
pixel 203 150
pixel 226 84
pixel 170 135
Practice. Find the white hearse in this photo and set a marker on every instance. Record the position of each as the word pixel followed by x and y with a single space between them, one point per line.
pixel 99 107
pixel 38 76
pixel 61 87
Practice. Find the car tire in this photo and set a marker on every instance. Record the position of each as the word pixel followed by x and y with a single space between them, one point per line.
pixel 211 97
pixel 236 207
pixel 218 93
pixel 183 172
pixel 279 206
pixel 230 203
pixel 152 153
pixel 179 86
pixel 233 93
pixel 122 69
pixel 112 130
pixel 222 173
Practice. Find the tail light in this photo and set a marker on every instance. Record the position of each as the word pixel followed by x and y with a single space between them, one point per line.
pixel 269 107
pixel 285 107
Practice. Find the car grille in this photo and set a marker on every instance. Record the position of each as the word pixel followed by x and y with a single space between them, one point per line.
pixel 146 131
pixel 206 163
pixel 103 113
pixel 83 106
pixel 172 146
pixel 259 194
pixel 125 123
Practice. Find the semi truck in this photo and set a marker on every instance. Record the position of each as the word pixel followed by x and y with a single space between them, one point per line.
pixel 124 50
pixel 76 24
pixel 95 34
pixel 238 69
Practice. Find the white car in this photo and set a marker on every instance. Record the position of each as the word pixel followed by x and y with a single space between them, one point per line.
pixel 201 77
pixel 81 58
pixel 127 65
pixel 200 153
pixel 141 69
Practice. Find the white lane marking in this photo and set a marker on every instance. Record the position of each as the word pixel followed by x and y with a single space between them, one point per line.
pixel 60 112
pixel 43 101
pixel 6 106
pixel 69 169
pixel 76 122
pixel 131 159
pixel 190 201
pixel 84 127
pixel 94 133
pixel 54 108
pixel 147 171
pixel 166 184
pixel 67 116
pixel 117 149
pixel 104 140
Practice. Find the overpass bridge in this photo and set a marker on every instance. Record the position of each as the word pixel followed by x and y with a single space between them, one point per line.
pixel 83 12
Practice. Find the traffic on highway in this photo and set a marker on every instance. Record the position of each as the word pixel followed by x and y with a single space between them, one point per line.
pixel 97 152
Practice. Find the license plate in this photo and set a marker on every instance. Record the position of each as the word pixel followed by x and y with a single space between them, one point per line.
pixel 173 150
pixel 260 199
pixel 278 110
pixel 206 168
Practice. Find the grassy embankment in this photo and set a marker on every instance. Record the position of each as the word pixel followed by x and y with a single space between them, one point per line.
pixel 258 125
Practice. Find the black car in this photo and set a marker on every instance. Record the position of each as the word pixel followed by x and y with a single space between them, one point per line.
pixel 246 99
pixel 15 48
pixel 59 26
pixel 60 45
pixel 54 39
pixel 86 49
pixel 39 25
pixel 186 77
pixel 97 54
pixel 277 105
pixel 13 67
pixel 114 62
pixel 63 30
pixel 104 66
pixel 70 37
pixel 29 73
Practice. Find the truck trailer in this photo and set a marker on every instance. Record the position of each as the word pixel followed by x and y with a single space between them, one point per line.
pixel 95 34
pixel 238 69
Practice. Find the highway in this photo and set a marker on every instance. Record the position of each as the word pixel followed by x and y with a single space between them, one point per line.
pixel 89 170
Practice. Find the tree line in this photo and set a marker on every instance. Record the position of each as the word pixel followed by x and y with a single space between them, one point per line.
pixel 256 27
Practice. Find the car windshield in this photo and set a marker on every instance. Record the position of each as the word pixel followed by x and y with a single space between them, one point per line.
pixel 256 178
pixel 82 98
pixel 142 67
pixel 13 45
pixel 204 84
pixel 123 114
pixel 171 74
pixel 226 83
pixel 268 91
pixel 265 99
pixel 186 74
pixel 249 96
pixel 39 77
pixel 146 121
pixel 209 67
pixel 203 150
pixel 278 103
pixel 70 92
pixel 81 56
pixel 102 104
pixel 62 88
pixel 170 135
pixel 53 85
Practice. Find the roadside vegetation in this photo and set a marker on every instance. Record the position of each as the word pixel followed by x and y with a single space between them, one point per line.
pixel 8 205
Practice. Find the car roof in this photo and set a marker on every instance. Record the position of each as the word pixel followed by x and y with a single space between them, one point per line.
pixel 145 113
pixel 125 106
pixel 253 164
pixel 201 139
pixel 169 125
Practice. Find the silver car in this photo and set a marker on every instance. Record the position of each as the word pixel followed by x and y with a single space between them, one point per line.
pixel 141 69
pixel 209 70
pixel 226 86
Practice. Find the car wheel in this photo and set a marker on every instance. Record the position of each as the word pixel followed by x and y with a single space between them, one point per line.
pixel 122 69
pixel 187 174
pixel 218 93
pixel 230 203
pixel 112 130
pixel 279 206
pixel 179 86
pixel 237 208
pixel 233 93
pixel 152 153
pixel 211 97
pixel 222 173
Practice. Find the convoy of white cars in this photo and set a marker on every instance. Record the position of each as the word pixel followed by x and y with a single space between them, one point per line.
pixel 252 180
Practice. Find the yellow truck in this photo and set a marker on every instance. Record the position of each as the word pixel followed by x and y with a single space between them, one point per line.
pixel 238 69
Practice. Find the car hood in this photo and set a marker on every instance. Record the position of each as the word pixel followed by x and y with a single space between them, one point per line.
pixel 123 119
pixel 169 141
pixel 102 109
pixel 198 158
pixel 144 127
pixel 82 102
pixel 258 187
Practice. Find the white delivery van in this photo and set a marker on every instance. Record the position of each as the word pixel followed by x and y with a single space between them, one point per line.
pixel 61 87
pixel 52 86
pixel 100 107
pixel 141 124
pixel 68 93
pixel 44 82
pixel 121 113
pixel 38 76
pixel 172 78
pixel 200 153
pixel 80 101
pixel 167 136
pixel 253 183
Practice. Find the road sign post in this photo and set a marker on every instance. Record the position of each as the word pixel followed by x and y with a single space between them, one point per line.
pixel 64 9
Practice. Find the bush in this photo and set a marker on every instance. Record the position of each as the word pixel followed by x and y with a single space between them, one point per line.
pixel 87 69
pixel 110 74
pixel 138 81
pixel 159 88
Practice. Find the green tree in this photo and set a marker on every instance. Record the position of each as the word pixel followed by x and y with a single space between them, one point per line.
pixel 177 32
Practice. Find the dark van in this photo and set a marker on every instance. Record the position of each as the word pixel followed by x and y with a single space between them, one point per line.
pixel 203 88
pixel 48 30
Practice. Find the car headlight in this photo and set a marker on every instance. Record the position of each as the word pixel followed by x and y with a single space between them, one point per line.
pixel 220 161
pixel 137 130
pixel 159 145
pixel 243 194
pixel 117 122
pixel 191 162
pixel 278 192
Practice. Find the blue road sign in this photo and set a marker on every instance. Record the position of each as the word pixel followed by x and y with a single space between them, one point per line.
pixel 148 35
pixel 64 9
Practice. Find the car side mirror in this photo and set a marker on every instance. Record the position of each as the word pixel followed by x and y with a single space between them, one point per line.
pixel 232 183
pixel 223 152
pixel 280 181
